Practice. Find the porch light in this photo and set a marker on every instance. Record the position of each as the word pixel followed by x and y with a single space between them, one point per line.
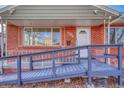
pixel 98 12
pixel 110 17
pixel 12 11
pixel 95 12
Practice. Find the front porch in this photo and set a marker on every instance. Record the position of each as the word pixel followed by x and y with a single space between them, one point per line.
pixel 58 25
pixel 46 43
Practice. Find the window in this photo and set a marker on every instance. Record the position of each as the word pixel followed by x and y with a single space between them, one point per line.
pixel 112 36
pixel 42 36
pixel 56 36
pixel 117 36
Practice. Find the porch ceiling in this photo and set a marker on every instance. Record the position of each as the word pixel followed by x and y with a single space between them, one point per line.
pixel 56 22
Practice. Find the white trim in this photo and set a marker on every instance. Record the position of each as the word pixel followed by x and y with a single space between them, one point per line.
pixel 115 33
pixel 115 20
pixel 107 9
pixel 60 36
pixel 8 7
pixel 104 31
pixel 108 29
pixel 2 37
pixel 64 37
pixel 108 42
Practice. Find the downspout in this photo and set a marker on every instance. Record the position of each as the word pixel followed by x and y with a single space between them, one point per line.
pixel 108 32
pixel 108 26
pixel 104 32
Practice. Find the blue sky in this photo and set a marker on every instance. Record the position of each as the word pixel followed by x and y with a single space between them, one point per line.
pixel 119 8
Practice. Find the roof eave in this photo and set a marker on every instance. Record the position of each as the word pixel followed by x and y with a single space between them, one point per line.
pixel 102 7
pixel 8 7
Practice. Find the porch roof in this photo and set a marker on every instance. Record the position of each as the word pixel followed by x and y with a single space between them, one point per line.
pixel 57 15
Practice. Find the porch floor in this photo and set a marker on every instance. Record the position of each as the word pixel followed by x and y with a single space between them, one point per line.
pixel 62 72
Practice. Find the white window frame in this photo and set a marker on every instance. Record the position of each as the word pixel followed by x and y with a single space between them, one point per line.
pixel 115 33
pixel 23 37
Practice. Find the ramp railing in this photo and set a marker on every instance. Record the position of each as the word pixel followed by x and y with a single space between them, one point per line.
pixel 60 57
pixel 105 56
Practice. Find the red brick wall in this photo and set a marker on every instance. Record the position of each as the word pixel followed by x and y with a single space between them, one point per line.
pixel 15 39
pixel 12 37
pixel 97 35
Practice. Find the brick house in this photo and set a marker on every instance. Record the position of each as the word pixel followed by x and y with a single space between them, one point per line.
pixel 41 28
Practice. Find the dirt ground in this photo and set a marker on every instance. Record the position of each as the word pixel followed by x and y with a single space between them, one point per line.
pixel 75 83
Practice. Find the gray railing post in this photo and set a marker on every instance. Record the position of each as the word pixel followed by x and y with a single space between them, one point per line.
pixel 19 70
pixel 120 76
pixel 31 63
pixel 78 55
pixel 53 64
pixel 105 52
pixel 89 66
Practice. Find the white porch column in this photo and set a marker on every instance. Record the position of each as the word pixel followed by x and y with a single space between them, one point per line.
pixel 2 38
pixel 6 23
pixel 108 32
pixel 109 37
pixel 104 32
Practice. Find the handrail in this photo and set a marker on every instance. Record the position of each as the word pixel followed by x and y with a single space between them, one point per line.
pixel 106 56
pixel 54 58
pixel 62 49
pixel 44 52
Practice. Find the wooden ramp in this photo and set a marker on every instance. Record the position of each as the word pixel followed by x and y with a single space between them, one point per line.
pixel 72 65
pixel 62 72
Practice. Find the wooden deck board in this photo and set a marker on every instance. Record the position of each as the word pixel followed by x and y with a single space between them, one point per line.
pixel 98 66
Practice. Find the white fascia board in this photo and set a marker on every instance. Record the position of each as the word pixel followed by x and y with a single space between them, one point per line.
pixel 102 7
pixel 8 7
